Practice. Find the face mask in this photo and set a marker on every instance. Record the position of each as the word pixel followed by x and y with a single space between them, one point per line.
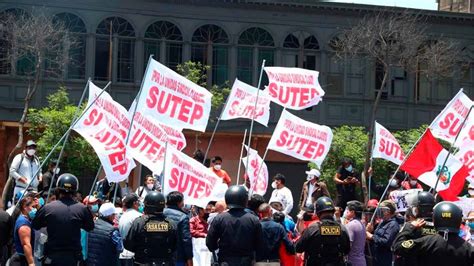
pixel 31 152
pixel 150 186
pixel 95 208
pixel 32 213
pixel 471 225
pixel 413 182
pixel 349 168
pixel 56 170
pixel 393 183
pixel 309 177
pixel 217 167
pixel 274 185
pixel 346 213
pixel 141 208
pixel 471 192
pixel 41 202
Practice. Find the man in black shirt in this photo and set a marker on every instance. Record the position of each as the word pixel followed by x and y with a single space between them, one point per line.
pixel 47 177
pixel 236 233
pixel 63 220
pixel 346 179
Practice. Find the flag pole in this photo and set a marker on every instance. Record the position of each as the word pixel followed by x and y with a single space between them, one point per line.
pixel 450 150
pixel 371 161
pixel 215 129
pixel 95 180
pixel 240 158
pixel 162 181
pixel 133 114
pixel 396 171
pixel 253 117
pixel 67 137
pixel 61 140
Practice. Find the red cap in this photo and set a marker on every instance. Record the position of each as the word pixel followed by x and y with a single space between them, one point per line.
pixel 90 200
pixel 372 203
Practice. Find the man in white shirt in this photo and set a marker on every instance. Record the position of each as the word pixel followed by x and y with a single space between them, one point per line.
pixel 25 168
pixel 282 193
pixel 130 212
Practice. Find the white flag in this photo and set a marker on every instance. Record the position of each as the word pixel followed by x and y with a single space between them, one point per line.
pixel 386 146
pixel 293 88
pixel 258 178
pixel 174 100
pixel 105 126
pixel 301 139
pixel 448 123
pixel 241 103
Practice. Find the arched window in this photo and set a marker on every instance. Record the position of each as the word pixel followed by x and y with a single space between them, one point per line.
pixel 301 50
pixel 5 46
pixel 77 54
pixel 255 44
pixel 115 50
pixel 164 40
pixel 210 46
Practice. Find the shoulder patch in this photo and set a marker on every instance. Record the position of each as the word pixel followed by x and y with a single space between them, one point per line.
pixel 330 230
pixel 408 244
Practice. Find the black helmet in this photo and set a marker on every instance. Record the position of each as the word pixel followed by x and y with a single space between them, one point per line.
pixel 236 197
pixel 426 202
pixel 67 183
pixel 447 216
pixel 154 202
pixel 323 204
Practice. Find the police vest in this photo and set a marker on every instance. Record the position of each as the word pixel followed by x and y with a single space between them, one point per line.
pixel 428 229
pixel 100 248
pixel 329 251
pixel 156 240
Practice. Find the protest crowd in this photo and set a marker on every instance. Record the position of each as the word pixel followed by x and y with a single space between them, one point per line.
pixel 187 213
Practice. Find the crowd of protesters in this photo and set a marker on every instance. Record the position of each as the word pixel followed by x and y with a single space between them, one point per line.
pixel 253 231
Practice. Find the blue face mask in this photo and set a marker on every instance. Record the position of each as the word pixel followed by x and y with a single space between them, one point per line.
pixel 32 213
pixel 95 208
pixel 141 208
pixel 349 168
pixel 471 225
pixel 41 202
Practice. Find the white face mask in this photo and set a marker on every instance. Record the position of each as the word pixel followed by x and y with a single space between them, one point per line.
pixel 346 213
pixel 31 152
pixel 150 186
pixel 217 167
pixel 393 183
pixel 274 185
pixel 471 192
pixel 56 170
pixel 413 182
pixel 309 177
pixel 349 168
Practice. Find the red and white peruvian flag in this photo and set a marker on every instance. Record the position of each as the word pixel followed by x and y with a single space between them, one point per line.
pixel 425 164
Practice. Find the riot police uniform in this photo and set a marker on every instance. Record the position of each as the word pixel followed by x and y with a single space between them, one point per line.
pixel 153 237
pixel 443 248
pixel 326 242
pixel 236 233
pixel 63 219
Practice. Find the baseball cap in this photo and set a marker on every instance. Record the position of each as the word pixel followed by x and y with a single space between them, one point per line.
pixel 389 204
pixel 30 143
pixel 314 172
pixel 90 200
pixel 107 209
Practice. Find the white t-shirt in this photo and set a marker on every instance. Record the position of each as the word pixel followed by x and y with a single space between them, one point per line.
pixel 285 197
pixel 309 200
pixel 125 223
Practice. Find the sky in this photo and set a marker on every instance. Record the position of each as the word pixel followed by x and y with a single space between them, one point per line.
pixel 420 4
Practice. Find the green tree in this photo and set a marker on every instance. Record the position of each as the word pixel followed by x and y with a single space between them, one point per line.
pixel 48 124
pixel 196 72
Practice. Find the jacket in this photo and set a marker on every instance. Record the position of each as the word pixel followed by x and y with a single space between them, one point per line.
pixel 22 166
pixel 320 190
pixel 100 245
pixel 184 249
pixel 383 239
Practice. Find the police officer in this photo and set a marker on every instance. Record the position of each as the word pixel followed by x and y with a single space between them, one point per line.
pixel 443 248
pixel 325 242
pixel 235 233
pixel 153 237
pixel 63 220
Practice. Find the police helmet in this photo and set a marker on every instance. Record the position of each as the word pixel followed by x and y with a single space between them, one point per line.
pixel 324 204
pixel 447 217
pixel 426 202
pixel 67 183
pixel 154 202
pixel 236 197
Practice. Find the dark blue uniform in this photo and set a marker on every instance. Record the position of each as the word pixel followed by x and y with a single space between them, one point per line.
pixel 63 220
pixel 237 235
